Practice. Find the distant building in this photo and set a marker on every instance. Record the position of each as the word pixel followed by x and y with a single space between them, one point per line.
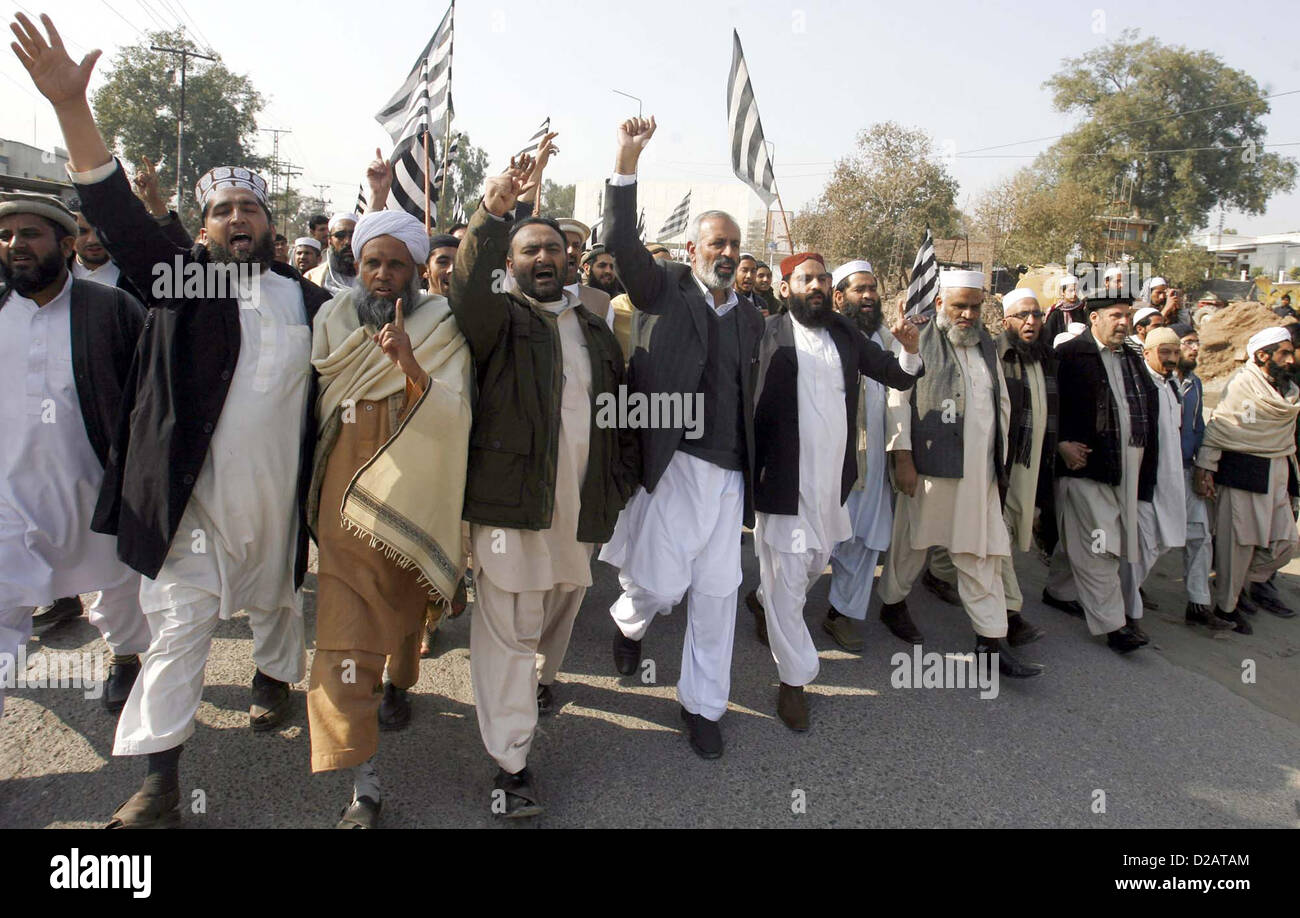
pixel 27 168
pixel 1279 252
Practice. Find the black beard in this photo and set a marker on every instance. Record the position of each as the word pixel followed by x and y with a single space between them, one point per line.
pixel 34 280
pixel 808 316
pixel 1028 351
pixel 1186 366
pixel 342 262
pixel 614 288
pixel 868 320
pixel 1279 375
pixel 262 253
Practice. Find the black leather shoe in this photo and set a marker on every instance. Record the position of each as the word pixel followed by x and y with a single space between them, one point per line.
pixel 760 616
pixel 518 798
pixel 941 588
pixel 270 702
pixel 57 614
pixel 1238 621
pixel 705 735
pixel 1135 626
pixel 792 707
pixel 1246 604
pixel 897 620
pixel 1198 614
pixel 1123 640
pixel 1266 596
pixel 1008 665
pixel 627 653
pixel 1150 605
pixel 1068 606
pixel 122 673
pixel 394 709
pixel 1021 632
pixel 545 700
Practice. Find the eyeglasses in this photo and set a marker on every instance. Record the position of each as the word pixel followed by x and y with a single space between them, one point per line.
pixel 1024 316
pixel 342 234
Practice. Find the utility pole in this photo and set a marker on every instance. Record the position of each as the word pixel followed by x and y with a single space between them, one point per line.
pixel 278 168
pixel 320 196
pixel 185 54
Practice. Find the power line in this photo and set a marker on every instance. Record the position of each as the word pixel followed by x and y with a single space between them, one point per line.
pixel 139 31
pixel 36 21
pixel 180 6
pixel 152 15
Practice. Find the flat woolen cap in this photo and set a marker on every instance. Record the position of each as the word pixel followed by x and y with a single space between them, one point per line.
pixel 42 205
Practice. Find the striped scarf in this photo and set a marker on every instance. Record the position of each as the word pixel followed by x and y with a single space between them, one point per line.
pixel 1132 366
pixel 1022 442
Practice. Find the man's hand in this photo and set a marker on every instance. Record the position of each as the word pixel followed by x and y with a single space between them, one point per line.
pixel 147 188
pixel 1203 483
pixel 393 341
pixel 633 135
pixel 905 476
pixel 379 176
pixel 906 333
pixel 545 150
pixel 56 75
pixel 502 191
pixel 1074 453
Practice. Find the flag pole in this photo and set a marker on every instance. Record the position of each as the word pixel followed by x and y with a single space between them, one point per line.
pixel 784 219
pixel 446 141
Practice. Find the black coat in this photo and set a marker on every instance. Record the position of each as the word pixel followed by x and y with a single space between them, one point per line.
pixel 177 386
pixel 1084 390
pixel 776 415
pixel 668 296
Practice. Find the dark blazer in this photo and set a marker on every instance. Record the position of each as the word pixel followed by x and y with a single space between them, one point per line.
pixel 673 361
pixel 1084 391
pixel 176 388
pixel 776 413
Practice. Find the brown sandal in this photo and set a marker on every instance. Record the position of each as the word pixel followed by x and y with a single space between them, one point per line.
pixel 148 811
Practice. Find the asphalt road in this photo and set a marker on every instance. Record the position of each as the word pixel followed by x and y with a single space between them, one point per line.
pixel 1167 746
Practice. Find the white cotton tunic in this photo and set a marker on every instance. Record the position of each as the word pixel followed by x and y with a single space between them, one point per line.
pixel 1022 490
pixel 963 515
pixel 822 520
pixel 1169 501
pixel 51 475
pixel 106 274
pixel 871 512
pixel 244 506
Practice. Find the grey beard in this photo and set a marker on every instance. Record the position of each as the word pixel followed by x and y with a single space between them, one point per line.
pixel 378 311
pixel 1028 351
pixel 710 279
pixel 958 337
pixel 342 265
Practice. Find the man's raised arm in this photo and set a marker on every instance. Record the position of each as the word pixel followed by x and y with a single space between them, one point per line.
pixel 642 276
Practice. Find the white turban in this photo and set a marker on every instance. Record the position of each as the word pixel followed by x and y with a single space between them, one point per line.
pixel 1015 296
pixel 396 223
pixel 1067 280
pixel 1157 282
pixel 949 280
pixel 1262 339
pixel 339 219
pixel 1064 337
pixel 1143 313
pixel 849 268
pixel 308 241
pixel 1076 328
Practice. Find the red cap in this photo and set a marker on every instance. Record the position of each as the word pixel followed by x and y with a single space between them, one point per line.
pixel 789 264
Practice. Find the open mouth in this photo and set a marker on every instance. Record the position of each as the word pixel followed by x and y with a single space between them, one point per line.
pixel 545 273
pixel 241 242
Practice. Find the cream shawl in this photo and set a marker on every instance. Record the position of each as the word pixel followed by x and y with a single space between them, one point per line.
pixel 1253 417
pixel 409 496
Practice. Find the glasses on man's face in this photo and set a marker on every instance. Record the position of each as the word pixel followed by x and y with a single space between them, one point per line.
pixel 1026 316
pixel 342 234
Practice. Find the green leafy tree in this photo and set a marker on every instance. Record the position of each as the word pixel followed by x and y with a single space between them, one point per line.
pixel 138 106
pixel 466 183
pixel 880 198
pixel 1034 217
pixel 557 200
pixel 1186 129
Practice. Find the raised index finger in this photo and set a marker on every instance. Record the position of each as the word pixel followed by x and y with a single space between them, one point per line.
pixel 397 316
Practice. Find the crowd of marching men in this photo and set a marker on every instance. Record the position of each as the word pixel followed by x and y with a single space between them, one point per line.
pixel 383 392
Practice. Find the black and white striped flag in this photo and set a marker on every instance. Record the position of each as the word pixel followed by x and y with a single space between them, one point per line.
pixel 749 157
pixel 423 104
pixel 458 213
pixel 408 179
pixel 447 161
pixel 531 146
pixel 361 201
pixel 925 280
pixel 677 220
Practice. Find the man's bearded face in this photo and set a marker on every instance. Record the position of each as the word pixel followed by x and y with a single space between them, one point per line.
pixel 573 249
pixel 1189 353
pixel 537 260
pixel 808 294
pixel 237 228
pixel 745 272
pixel 1158 295
pixel 603 276
pixel 957 313
pixel 860 301
pixel 32 258
pixel 90 251
pixel 1280 365
pixel 716 253
pixel 1162 359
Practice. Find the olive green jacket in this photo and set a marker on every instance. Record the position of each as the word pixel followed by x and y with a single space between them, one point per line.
pixel 519 374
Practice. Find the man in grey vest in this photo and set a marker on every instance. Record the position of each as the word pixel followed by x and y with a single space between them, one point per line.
pixel 948 440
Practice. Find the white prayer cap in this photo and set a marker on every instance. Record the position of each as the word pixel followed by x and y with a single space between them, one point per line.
pixel 1015 296
pixel 951 279
pixel 1064 337
pixel 1067 280
pixel 1076 328
pixel 309 241
pixel 1159 336
pixel 1157 282
pixel 396 223
pixel 570 225
pixel 849 268
pixel 339 219
pixel 223 176
pixel 1266 337
pixel 1143 313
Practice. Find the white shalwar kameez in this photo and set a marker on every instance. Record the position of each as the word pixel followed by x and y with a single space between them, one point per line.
pixel 793 549
pixel 1098 523
pixel 107 274
pixel 236 544
pixel 963 515
pixel 50 483
pixel 1162 521
pixel 870 507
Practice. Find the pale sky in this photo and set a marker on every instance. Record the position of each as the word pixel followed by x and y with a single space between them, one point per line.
pixel 970 74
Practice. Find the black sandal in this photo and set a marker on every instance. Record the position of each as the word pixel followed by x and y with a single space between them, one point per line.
pixel 148 811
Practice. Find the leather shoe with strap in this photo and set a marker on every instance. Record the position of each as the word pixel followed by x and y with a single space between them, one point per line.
pixel 520 800
pixel 896 619
pixel 270 702
pixel 1198 614
pixel 148 811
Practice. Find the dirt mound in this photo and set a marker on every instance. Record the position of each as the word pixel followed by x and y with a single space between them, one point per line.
pixel 1224 337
